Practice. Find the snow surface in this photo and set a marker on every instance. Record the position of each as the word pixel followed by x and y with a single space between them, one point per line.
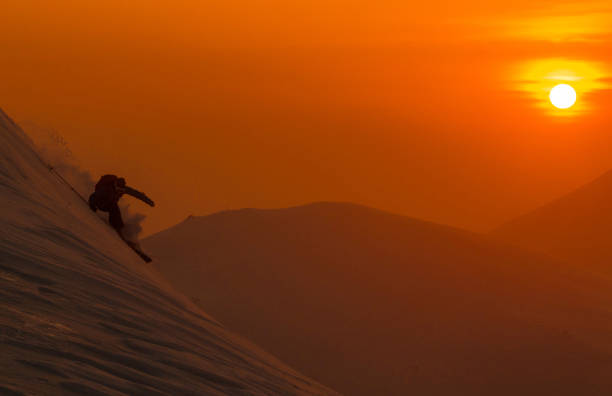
pixel 80 313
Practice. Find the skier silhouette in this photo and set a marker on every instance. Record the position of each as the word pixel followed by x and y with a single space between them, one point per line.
pixel 109 190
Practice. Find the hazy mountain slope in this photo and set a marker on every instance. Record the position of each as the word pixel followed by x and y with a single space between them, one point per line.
pixel 81 314
pixel 377 304
pixel 576 227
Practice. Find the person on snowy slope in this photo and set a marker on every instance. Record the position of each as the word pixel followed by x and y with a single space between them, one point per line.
pixel 109 190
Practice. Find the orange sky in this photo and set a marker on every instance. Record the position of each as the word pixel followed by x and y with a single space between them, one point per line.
pixel 433 110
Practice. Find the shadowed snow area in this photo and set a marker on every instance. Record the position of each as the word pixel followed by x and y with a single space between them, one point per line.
pixel 81 314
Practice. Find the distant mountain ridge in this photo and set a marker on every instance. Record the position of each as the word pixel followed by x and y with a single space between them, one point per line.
pixel 576 227
pixel 371 302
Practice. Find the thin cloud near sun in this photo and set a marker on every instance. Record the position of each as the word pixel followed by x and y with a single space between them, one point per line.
pixel 536 79
pixel 555 22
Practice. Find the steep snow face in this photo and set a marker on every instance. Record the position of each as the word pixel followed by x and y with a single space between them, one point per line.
pixel 373 303
pixel 81 314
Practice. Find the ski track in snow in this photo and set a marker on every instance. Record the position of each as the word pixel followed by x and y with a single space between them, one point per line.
pixel 81 314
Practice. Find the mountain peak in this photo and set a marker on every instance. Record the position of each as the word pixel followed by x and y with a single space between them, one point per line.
pixel 574 227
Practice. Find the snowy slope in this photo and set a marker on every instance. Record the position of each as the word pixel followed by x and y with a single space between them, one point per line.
pixel 373 303
pixel 81 314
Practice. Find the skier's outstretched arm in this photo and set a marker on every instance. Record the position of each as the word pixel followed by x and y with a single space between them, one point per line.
pixel 139 195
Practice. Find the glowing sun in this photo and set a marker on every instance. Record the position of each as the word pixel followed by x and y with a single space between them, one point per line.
pixel 563 96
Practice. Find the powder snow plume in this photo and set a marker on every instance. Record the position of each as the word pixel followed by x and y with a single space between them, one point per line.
pixel 54 150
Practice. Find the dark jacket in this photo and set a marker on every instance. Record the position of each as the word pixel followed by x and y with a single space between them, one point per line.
pixel 109 190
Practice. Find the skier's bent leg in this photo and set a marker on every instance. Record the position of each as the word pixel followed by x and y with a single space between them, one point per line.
pixel 115 219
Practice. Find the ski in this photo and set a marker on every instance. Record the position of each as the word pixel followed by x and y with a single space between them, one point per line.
pixel 136 248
